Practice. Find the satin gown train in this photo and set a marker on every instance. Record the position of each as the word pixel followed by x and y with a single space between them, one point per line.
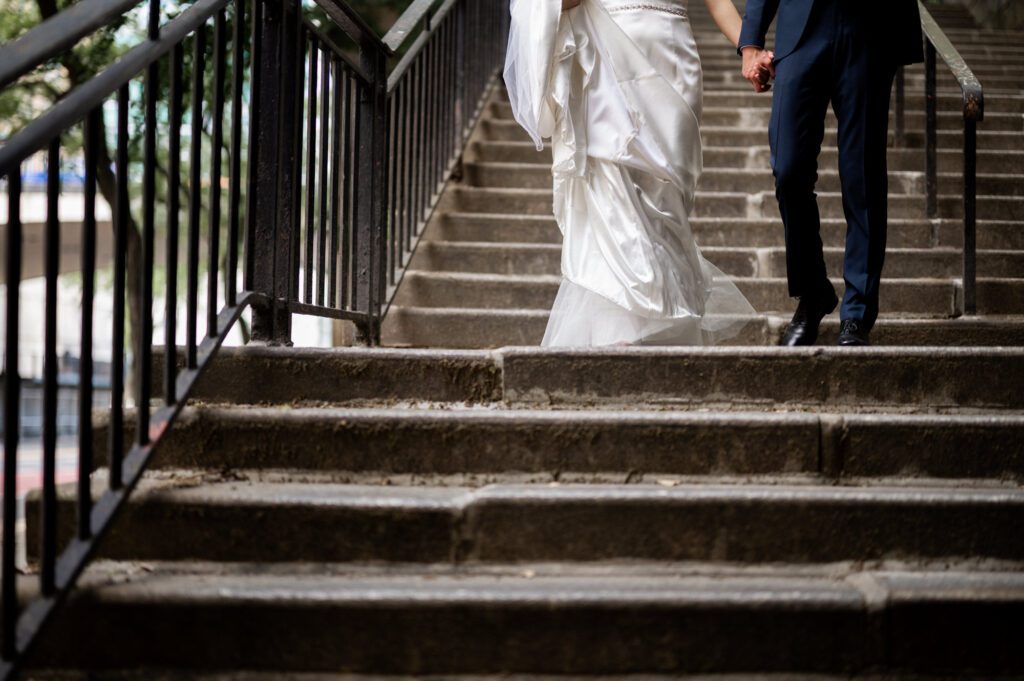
pixel 617 87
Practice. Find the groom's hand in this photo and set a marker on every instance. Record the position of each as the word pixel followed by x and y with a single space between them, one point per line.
pixel 758 67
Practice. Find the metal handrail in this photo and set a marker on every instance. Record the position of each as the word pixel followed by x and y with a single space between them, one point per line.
pixel 974 98
pixel 354 25
pixel 345 167
pixel 68 111
pixel 937 44
pixel 57 34
pixel 406 24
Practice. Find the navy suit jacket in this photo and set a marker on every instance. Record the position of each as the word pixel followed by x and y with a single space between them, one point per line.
pixel 899 26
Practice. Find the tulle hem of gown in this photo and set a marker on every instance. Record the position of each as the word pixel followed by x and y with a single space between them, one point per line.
pixel 583 318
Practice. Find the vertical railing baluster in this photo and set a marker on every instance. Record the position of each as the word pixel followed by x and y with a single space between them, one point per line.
pixel 356 170
pixel 122 220
pixel 430 96
pixel 392 234
pixel 216 152
pixel 144 334
pixel 154 20
pixel 378 215
pixel 402 162
pixel 970 215
pixel 195 203
pixel 332 276
pixel 311 101
pixel 324 188
pixel 346 196
pixel 12 424
pixel 417 181
pixel 256 116
pixel 449 120
pixel 436 147
pixel 235 158
pixel 931 135
pixel 93 123
pixel 293 213
pixel 460 61
pixel 48 556
pixel 412 88
pixel 385 223
pixel 173 223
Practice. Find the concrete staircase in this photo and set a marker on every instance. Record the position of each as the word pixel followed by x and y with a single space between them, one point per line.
pixel 480 512
pixel 751 512
pixel 488 267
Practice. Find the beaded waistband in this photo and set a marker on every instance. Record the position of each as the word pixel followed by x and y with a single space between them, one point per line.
pixel 656 7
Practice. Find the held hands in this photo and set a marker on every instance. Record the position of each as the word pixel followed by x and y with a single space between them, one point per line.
pixel 758 67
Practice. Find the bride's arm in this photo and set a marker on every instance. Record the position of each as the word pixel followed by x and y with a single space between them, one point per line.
pixel 569 4
pixel 727 18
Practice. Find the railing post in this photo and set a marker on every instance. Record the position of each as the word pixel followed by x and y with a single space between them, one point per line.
pixel 370 215
pixel 931 134
pixel 970 215
pixel 274 152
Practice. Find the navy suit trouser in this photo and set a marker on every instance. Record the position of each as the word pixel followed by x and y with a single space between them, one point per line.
pixel 838 61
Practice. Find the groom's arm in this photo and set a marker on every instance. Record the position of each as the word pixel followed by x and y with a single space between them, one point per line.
pixel 757 18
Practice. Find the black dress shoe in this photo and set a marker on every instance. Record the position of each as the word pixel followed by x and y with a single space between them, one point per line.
pixel 803 330
pixel 853 332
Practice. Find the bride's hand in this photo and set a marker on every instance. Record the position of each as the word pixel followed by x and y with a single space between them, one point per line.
pixel 569 4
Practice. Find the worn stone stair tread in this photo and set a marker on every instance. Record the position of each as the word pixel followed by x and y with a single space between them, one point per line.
pixel 773 374
pixel 902 183
pixel 530 258
pixel 192 488
pixel 576 582
pixel 538 619
pixel 931 376
pixel 177 675
pixel 936 297
pixel 494 328
pixel 611 443
pixel 741 521
pixel 725 231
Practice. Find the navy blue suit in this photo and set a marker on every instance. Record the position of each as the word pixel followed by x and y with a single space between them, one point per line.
pixel 843 52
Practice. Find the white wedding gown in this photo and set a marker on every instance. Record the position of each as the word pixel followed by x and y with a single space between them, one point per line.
pixel 617 86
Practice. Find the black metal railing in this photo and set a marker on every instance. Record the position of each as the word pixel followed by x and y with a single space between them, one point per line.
pixel 300 170
pixel 936 44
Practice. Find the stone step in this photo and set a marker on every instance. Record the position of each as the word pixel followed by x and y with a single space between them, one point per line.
pixel 932 377
pixel 463 198
pixel 935 376
pixel 504 228
pixel 286 521
pixel 995 78
pixel 719 179
pixel 757 158
pixel 153 674
pixel 737 261
pixel 993 71
pixel 514 619
pixel 931 297
pixel 426 327
pixel 759 117
pixel 947 100
pixel 722 136
pixel 473 446
pixel 447 327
